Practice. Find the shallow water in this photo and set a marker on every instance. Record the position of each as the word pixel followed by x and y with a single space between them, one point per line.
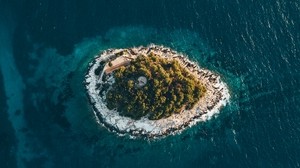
pixel 46 120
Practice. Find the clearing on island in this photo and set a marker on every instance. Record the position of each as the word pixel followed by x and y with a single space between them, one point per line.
pixel 152 91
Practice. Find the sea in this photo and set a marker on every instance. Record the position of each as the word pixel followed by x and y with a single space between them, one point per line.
pixel 46 46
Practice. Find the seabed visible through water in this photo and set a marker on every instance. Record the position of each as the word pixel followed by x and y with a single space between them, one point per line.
pixel 64 75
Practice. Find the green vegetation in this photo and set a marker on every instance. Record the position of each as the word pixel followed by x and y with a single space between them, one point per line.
pixel 169 89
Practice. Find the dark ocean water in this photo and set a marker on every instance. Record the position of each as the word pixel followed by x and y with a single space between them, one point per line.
pixel 45 46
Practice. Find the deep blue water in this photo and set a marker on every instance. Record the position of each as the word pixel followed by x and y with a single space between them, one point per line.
pixel 45 46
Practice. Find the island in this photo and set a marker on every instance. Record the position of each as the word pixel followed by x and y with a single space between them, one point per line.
pixel 152 91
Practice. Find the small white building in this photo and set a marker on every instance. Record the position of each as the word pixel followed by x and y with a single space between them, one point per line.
pixel 142 81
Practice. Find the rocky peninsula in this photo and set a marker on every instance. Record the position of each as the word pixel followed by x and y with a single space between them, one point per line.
pixel 100 80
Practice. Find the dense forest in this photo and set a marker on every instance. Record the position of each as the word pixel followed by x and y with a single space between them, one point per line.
pixel 169 88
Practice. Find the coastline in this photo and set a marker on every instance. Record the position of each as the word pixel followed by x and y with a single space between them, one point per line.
pixel 216 96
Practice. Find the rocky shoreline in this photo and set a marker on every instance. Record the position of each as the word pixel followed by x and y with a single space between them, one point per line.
pixel 216 96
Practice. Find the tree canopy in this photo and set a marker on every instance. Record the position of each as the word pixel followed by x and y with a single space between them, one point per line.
pixel 169 88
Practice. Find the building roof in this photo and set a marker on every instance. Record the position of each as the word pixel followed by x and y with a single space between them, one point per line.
pixel 142 81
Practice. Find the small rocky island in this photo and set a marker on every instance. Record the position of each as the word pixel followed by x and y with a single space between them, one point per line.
pixel 152 91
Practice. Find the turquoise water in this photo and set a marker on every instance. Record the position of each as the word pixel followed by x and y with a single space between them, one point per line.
pixel 46 120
